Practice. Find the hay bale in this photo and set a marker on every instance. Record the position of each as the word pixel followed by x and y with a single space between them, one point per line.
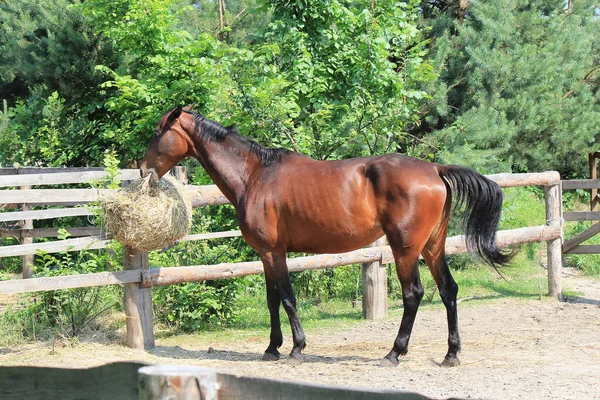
pixel 148 218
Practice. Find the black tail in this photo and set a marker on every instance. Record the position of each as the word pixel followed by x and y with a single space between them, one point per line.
pixel 481 200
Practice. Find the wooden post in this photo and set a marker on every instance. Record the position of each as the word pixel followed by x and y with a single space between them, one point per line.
pixel 553 197
pixel 177 382
pixel 180 173
pixel 26 239
pixel 593 175
pixel 374 280
pixel 137 302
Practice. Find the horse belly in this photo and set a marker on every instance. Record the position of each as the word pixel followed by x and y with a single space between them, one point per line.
pixel 331 235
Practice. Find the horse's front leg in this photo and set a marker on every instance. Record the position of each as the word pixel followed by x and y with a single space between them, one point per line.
pixel 273 301
pixel 277 276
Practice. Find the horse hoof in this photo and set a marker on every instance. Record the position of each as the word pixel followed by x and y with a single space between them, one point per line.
pixel 270 357
pixel 389 363
pixel 450 362
pixel 295 359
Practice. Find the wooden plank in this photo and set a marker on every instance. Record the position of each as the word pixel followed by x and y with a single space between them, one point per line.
pixel 232 387
pixel 116 381
pixel 201 195
pixel 211 235
pixel 137 302
pixel 374 282
pixel 49 232
pixel 90 243
pixel 50 196
pixel 581 237
pixel 44 214
pixel 581 215
pixel 61 178
pixel 69 282
pixel 529 179
pixel 581 184
pixel 45 170
pixel 585 249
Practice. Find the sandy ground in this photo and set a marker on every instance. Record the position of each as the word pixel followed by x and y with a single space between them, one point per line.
pixel 512 349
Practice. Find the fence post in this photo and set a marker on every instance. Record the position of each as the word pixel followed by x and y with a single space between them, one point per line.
pixel 26 239
pixel 374 280
pixel 137 302
pixel 553 198
pixel 177 382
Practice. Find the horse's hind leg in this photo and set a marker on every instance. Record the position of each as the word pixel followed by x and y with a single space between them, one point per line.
pixel 434 255
pixel 407 261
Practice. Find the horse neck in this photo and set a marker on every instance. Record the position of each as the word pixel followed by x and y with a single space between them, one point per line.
pixel 228 163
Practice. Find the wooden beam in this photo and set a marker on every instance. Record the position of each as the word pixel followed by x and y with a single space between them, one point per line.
pixel 585 249
pixel 211 235
pixel 68 282
pixel 109 381
pixel 49 232
pixel 581 215
pixel 201 195
pixel 581 237
pixel 168 276
pixel 537 178
pixel 44 214
pixel 89 243
pixel 61 178
pixel 581 184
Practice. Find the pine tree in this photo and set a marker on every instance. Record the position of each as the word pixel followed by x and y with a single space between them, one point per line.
pixel 518 86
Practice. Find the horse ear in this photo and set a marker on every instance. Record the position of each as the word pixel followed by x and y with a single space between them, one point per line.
pixel 176 113
pixel 189 107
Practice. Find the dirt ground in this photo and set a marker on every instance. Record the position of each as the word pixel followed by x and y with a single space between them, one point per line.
pixel 512 349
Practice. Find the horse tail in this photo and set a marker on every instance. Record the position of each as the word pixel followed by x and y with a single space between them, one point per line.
pixel 481 202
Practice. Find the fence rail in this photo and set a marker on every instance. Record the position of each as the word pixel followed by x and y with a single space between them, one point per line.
pixel 138 278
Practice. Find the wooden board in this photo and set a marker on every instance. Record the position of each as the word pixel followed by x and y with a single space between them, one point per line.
pixel 60 178
pixel 44 214
pixel 233 387
pixel 88 243
pixel 69 282
pixel 117 381
pixel 581 237
pixel 585 249
pixel 581 184
pixel 581 215
pixel 49 232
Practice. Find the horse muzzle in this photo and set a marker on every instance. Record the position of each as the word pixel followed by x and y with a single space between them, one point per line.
pixel 154 179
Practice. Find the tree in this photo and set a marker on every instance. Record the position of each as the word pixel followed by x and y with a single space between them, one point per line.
pixel 518 87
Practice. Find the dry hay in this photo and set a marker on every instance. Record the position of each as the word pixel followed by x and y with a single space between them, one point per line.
pixel 148 218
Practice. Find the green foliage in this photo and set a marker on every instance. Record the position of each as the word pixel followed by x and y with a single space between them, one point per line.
pixel 518 87
pixel 66 312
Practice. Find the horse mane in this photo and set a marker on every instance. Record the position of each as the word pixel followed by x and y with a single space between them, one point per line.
pixel 216 132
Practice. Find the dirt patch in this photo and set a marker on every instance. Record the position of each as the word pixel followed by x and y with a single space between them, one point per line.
pixel 512 349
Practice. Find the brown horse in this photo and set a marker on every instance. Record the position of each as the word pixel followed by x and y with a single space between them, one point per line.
pixel 288 202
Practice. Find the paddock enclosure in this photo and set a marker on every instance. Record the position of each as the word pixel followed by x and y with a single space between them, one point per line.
pixel 523 348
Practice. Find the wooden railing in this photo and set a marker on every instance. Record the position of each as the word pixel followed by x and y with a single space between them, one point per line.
pixel 139 278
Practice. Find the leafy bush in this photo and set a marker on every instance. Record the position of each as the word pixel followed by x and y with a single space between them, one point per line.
pixel 67 312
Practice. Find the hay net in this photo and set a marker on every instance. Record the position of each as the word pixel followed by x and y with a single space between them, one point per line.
pixel 148 218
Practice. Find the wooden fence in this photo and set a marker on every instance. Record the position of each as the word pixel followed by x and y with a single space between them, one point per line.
pixel 138 278
pixel 135 381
